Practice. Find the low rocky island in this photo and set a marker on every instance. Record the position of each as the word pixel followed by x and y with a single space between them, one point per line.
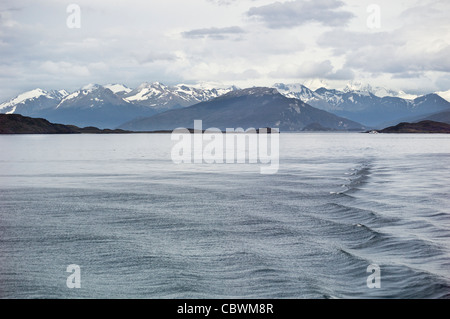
pixel 18 124
pixel 420 127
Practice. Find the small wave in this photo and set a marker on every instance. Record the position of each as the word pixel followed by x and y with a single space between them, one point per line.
pixel 354 215
pixel 405 248
pixel 356 177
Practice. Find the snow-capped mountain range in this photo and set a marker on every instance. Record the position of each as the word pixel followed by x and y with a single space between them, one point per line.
pixel 372 106
pixel 256 107
pixel 162 97
pixel 108 106
pixel 39 99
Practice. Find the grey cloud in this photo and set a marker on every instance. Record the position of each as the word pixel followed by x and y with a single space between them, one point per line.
pixel 299 12
pixel 407 75
pixel 315 69
pixel 342 41
pixel 426 10
pixel 397 60
pixel 157 56
pixel 341 74
pixel 386 52
pixel 222 2
pixel 12 5
pixel 415 48
pixel 310 69
pixel 214 33
pixel 443 82
pixel 233 76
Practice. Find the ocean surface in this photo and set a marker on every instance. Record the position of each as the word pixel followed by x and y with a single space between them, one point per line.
pixel 140 226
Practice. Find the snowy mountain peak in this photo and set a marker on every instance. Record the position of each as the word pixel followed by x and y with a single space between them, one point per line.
pixel 445 95
pixel 23 98
pixel 40 99
pixel 255 91
pixel 90 87
pixel 151 85
pixel 33 93
pixel 118 88
pixel 297 88
pixel 367 89
pixel 383 92
pixel 358 88
pixel 155 86
pixel 353 86
pixel 63 93
pixel 296 91
pixel 160 96
pixel 315 84
pixel 91 95
pixel 143 85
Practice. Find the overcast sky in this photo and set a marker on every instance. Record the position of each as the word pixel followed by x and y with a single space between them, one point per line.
pixel 225 42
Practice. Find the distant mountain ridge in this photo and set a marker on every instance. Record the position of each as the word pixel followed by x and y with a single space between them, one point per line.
pixel 257 107
pixel 370 106
pixel 443 117
pixel 163 98
pixel 111 105
pixel 106 106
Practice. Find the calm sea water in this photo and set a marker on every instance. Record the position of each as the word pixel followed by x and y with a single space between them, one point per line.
pixel 140 226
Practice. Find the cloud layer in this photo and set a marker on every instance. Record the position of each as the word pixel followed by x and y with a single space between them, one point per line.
pixel 246 42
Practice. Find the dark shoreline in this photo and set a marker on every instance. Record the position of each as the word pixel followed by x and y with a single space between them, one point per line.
pixel 16 124
pixel 423 127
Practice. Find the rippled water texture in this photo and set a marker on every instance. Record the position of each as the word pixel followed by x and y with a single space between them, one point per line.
pixel 140 226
